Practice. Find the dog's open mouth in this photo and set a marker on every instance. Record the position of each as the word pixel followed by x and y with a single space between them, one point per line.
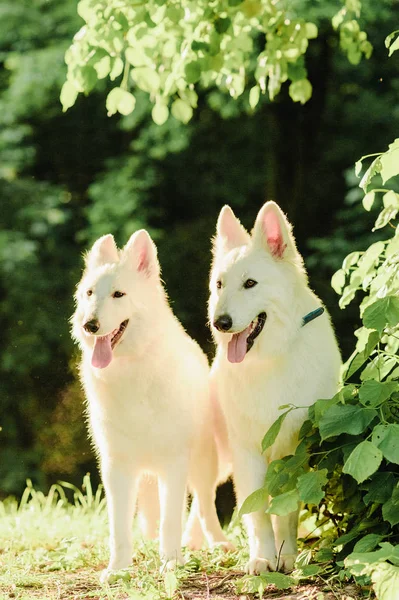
pixel 104 345
pixel 117 333
pixel 242 342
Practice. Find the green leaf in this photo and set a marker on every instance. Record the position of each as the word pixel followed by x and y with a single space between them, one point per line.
pixel 273 431
pixel 368 201
pixel 117 68
pixel 308 571
pixel 222 24
pixel 390 512
pixel 310 486
pixel 255 501
pixel 160 113
pixel 235 2
pixel 338 281
pixel 282 474
pixel 324 555
pixel 174 13
pixel 284 504
pixel 357 359
pixel 372 393
pixel 137 57
pixel 280 580
pixel 363 461
pixel 380 488
pixel 345 419
pixel 119 100
pixel 373 170
pixel 254 95
pixel 311 30
pixel 193 72
pixel 385 216
pixel 378 368
pixel 389 164
pixel 103 67
pixel 171 583
pixel 394 46
pixel 386 437
pixel 368 543
pixel 385 552
pixel 182 111
pixel 350 260
pixel 147 79
pixel 385 578
pixel 390 37
pixel 383 312
pixel 68 95
pixel 300 91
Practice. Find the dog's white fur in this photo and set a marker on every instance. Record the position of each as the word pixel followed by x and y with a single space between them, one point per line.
pixel 149 409
pixel 287 364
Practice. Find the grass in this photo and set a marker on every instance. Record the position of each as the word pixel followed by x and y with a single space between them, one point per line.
pixel 52 548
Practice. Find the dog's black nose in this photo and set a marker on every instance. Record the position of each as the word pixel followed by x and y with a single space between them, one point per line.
pixel 223 323
pixel 92 326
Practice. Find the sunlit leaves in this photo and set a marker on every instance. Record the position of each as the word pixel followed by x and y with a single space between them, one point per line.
pixel 310 486
pixel 186 44
pixel 284 504
pixel 383 312
pixel 68 95
pixel 363 461
pixel 301 91
pixel 390 162
pixel 272 433
pixel 392 42
pixel 340 419
pixel 386 437
pixel 160 113
pixel 147 79
pixel 372 393
pixel 182 110
pixel 255 501
pixel 119 100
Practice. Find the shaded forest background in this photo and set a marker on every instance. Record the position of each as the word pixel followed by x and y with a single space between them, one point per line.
pixel 66 179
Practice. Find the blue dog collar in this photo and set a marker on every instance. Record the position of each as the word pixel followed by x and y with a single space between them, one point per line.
pixel 312 315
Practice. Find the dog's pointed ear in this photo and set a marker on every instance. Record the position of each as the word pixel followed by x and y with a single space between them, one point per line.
pixel 229 231
pixel 273 231
pixel 103 252
pixel 142 251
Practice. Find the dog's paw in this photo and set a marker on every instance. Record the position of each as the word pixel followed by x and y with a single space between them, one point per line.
pixel 193 543
pixel 172 563
pixel 286 562
pixel 226 546
pixel 113 575
pixel 256 566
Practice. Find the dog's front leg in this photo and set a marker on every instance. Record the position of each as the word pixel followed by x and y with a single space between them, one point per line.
pixel 172 496
pixel 249 469
pixel 286 532
pixel 120 483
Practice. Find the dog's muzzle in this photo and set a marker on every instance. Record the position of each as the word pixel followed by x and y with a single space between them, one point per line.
pixel 92 326
pixel 223 323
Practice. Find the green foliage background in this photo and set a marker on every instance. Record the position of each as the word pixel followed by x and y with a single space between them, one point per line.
pixel 66 178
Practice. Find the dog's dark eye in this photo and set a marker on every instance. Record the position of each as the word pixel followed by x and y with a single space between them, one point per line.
pixel 218 284
pixel 118 294
pixel 89 292
pixel 250 283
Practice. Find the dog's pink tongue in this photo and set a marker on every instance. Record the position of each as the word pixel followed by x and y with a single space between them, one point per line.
pixel 102 353
pixel 237 347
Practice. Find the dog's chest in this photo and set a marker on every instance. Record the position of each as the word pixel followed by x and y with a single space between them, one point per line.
pixel 138 410
pixel 251 398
